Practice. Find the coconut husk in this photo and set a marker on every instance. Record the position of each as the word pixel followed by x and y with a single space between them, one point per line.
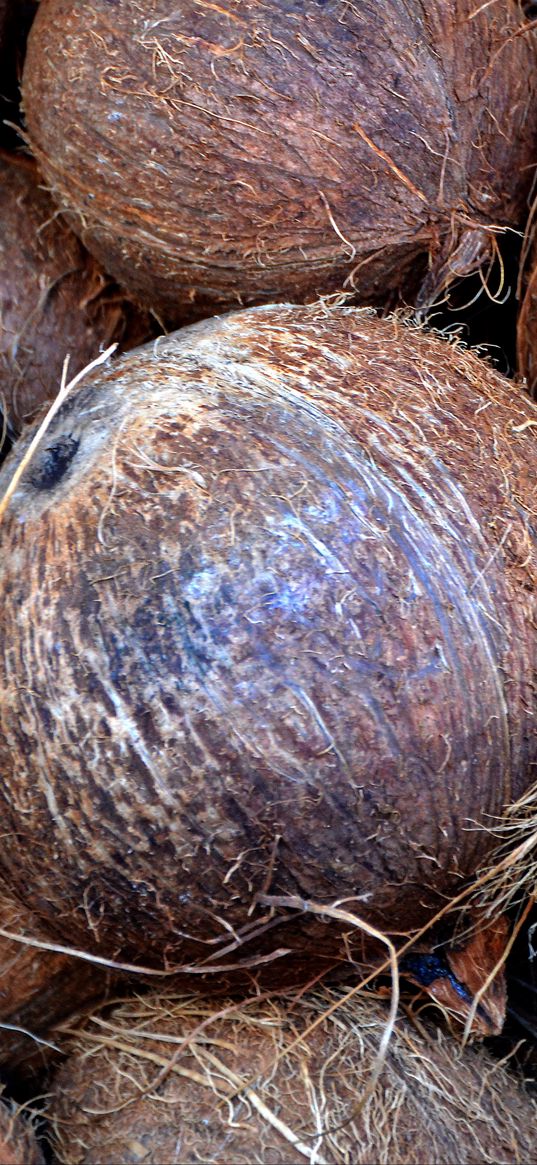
pixel 18 1141
pixel 510 876
pixel 38 989
pixel 219 157
pixel 268 640
pixel 281 1080
pixel 55 300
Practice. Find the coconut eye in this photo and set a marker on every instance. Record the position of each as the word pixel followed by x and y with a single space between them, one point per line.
pixel 54 462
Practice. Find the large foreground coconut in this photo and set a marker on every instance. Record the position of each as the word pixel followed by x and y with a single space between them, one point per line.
pixel 38 989
pixel 175 1080
pixel 55 300
pixel 220 155
pixel 18 1141
pixel 269 611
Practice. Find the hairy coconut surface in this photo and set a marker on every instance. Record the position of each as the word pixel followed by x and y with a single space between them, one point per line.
pixel 175 1079
pixel 38 989
pixel 18 1142
pixel 268 593
pixel 55 299
pixel 215 155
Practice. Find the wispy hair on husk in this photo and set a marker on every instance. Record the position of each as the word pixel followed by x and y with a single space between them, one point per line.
pixel 280 1080
pixel 18 1139
pixel 510 876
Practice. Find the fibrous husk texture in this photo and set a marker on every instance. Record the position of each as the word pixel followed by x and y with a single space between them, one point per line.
pixel 18 1142
pixel 251 151
pixel 38 989
pixel 510 876
pixel 268 598
pixel 255 1085
pixel 55 299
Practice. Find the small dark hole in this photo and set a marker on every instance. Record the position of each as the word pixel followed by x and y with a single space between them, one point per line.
pixel 54 463
pixel 6 437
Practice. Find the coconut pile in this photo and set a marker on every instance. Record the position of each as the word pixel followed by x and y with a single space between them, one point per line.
pixel 268 497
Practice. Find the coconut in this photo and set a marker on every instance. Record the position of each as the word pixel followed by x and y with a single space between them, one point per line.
pixel 296 613
pixel 268 637
pixel 55 300
pixel 249 152
pixel 38 989
pixel 18 1141
pixel 178 1080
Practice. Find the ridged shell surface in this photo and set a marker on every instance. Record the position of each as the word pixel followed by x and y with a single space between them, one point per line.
pixel 268 593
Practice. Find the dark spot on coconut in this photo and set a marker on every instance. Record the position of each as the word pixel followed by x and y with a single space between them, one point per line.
pixel 194 639
pixel 54 463
pixel 47 720
pixel 178 644
pixel 6 436
pixel 427 969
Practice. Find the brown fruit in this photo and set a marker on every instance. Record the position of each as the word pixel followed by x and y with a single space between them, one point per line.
pixel 178 1080
pixel 221 155
pixel 55 300
pixel 269 611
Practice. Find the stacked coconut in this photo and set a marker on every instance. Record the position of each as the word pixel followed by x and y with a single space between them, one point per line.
pixel 268 650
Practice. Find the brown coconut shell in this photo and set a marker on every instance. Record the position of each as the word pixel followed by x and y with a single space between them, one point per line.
pixel 177 1080
pixel 18 1141
pixel 55 299
pixel 39 989
pixel 215 156
pixel 269 611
